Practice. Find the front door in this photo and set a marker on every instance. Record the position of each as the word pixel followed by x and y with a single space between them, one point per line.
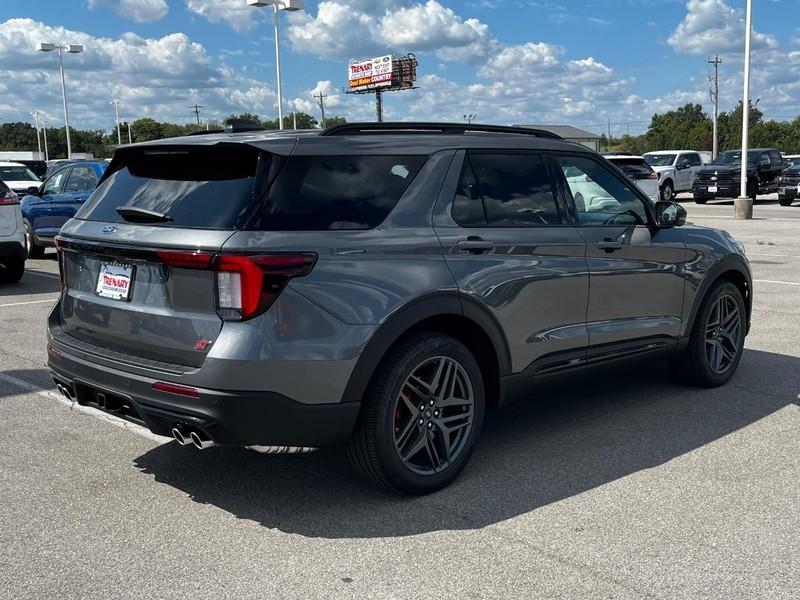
pixel 636 271
pixel 512 250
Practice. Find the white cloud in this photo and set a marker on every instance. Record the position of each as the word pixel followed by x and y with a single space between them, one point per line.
pixel 158 77
pixel 235 13
pixel 141 11
pixel 712 26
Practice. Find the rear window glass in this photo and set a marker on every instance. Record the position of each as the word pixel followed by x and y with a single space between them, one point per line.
pixel 239 187
pixel 203 187
pixel 633 167
pixel 334 192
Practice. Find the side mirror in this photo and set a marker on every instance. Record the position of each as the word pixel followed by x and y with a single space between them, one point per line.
pixel 681 166
pixel 33 191
pixel 669 214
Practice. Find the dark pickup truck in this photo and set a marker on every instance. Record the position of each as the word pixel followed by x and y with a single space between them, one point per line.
pixel 722 178
pixel 789 185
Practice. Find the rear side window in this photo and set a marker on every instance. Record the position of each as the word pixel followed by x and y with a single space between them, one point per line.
pixel 195 187
pixel 314 193
pixel 82 179
pixel 505 190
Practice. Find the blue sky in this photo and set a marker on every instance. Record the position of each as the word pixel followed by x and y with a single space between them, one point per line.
pixel 508 61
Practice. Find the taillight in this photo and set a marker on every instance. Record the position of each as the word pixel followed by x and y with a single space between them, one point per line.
pixel 651 176
pixel 60 256
pixel 246 284
pixel 8 198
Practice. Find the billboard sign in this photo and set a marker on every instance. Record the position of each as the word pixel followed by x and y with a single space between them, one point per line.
pixel 370 74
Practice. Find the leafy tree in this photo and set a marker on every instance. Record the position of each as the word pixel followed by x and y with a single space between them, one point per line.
pixel 337 120
pixel 686 128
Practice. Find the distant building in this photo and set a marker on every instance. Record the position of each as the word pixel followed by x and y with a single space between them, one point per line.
pixel 572 134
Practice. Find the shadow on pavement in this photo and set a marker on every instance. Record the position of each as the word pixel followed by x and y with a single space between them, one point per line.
pixel 37 377
pixel 580 433
pixel 33 282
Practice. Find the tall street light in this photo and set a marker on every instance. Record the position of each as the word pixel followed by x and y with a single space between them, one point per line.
pixel 115 102
pixel 743 206
pixel 278 5
pixel 72 49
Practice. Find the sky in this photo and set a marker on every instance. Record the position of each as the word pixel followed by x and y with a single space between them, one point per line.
pixel 505 61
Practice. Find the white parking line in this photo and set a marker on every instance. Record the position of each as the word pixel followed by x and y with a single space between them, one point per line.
pixel 40 274
pixel 776 282
pixel 765 254
pixel 29 302
pixel 51 395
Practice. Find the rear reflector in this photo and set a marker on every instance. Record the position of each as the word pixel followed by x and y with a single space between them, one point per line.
pixel 174 388
pixel 54 352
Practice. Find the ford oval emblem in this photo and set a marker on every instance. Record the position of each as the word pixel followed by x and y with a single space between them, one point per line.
pixel 108 229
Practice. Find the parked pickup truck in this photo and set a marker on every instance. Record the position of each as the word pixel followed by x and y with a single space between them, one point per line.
pixel 722 178
pixel 676 170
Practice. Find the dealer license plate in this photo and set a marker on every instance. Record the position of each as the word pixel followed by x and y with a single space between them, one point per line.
pixel 712 189
pixel 115 281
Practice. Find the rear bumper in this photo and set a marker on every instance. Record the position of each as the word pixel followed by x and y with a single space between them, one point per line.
pixel 14 248
pixel 731 191
pixel 229 418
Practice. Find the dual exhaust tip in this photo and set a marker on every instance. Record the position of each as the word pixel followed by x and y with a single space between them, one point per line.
pixel 185 437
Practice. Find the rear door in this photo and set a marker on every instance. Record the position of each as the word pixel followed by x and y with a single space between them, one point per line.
pixel 141 284
pixel 80 183
pixel 636 271
pixel 512 249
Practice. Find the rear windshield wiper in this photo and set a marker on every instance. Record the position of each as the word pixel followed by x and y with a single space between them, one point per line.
pixel 135 214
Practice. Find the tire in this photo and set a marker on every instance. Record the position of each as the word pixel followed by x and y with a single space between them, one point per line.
pixel 11 269
pixel 696 366
pixel 389 423
pixel 34 251
pixel 785 201
pixel 667 191
pixel 700 200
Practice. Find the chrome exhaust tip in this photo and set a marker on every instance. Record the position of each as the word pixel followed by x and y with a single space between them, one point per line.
pixel 183 440
pixel 200 441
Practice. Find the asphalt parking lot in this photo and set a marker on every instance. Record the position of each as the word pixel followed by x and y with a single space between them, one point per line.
pixel 613 484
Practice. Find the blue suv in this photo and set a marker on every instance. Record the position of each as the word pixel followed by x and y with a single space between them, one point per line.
pixel 56 201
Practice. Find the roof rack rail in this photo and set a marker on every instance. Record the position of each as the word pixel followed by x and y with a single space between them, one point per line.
pixel 425 127
pixel 206 131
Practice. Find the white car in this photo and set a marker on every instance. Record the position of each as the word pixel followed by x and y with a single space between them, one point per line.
pixel 12 240
pixel 637 169
pixel 18 177
pixel 676 170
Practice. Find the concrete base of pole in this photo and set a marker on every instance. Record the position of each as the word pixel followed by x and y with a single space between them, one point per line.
pixel 743 208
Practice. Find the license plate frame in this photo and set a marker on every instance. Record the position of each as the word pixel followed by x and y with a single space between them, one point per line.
pixel 115 280
pixel 713 189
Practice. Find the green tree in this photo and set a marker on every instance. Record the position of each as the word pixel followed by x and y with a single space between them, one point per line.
pixel 337 120
pixel 686 128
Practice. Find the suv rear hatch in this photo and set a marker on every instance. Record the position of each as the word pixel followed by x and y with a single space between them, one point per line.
pixel 142 267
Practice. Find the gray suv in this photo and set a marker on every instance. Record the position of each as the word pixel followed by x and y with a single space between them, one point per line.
pixel 376 285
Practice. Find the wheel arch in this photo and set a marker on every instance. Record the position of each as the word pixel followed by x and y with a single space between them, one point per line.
pixel 731 268
pixel 451 313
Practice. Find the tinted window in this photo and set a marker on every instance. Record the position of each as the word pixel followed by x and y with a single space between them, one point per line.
pixel 17 173
pixel 505 190
pixel 203 187
pixel 54 183
pixel 335 192
pixel 635 168
pixel 82 179
pixel 694 160
pixel 600 197
pixel 777 159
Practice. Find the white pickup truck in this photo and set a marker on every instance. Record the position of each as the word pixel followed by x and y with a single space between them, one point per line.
pixel 676 170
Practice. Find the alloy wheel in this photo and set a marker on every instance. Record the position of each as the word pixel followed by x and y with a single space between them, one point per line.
pixel 723 333
pixel 433 415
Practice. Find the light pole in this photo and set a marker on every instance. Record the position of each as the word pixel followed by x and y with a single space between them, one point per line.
pixel 72 49
pixel 115 102
pixel 38 134
pixel 278 5
pixel 469 118
pixel 743 206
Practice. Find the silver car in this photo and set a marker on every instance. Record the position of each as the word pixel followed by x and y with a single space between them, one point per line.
pixel 375 285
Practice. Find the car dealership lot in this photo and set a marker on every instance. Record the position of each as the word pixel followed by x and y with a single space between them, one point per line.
pixel 621 483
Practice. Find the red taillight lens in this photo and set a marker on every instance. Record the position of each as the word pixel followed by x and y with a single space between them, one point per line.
pixel 246 284
pixel 8 198
pixel 651 176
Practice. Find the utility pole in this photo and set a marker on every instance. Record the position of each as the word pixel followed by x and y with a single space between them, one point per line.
pixel 196 110
pixel 714 93
pixel 608 140
pixel 321 103
pixel 115 102
pixel 379 104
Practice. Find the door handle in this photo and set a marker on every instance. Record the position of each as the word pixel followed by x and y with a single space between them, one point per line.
pixel 609 246
pixel 474 245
